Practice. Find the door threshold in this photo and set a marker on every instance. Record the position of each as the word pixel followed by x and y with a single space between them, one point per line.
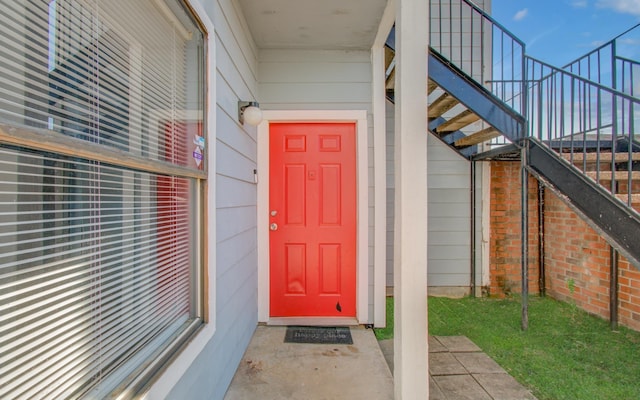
pixel 313 321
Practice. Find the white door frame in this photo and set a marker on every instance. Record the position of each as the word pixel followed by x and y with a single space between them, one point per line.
pixel 359 117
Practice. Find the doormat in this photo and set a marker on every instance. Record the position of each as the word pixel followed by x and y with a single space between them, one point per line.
pixel 318 334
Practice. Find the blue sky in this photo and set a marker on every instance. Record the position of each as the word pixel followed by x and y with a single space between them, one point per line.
pixel 559 31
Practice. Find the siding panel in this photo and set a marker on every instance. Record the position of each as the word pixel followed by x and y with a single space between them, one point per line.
pixel 231 163
pixel 313 56
pixel 449 202
pixel 323 71
pixel 231 134
pixel 232 250
pixel 235 193
pixel 449 213
pixel 312 92
pixel 232 221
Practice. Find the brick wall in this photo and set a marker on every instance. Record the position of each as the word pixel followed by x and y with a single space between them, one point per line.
pixel 628 295
pixel 505 238
pixel 577 259
pixel 577 262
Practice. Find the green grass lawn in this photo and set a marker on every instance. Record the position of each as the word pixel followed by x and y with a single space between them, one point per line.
pixel 565 354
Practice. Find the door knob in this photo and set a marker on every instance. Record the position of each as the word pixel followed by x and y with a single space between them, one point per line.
pixel 273 227
pixel 274 213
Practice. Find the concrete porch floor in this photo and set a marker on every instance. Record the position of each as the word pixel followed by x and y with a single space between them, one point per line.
pixel 272 369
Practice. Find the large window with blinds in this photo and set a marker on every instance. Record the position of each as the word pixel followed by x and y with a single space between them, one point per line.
pixel 102 172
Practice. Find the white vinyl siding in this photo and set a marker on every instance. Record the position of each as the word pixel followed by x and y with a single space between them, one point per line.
pixel 315 79
pixel 449 216
pixel 449 213
pixel 390 188
pixel 100 195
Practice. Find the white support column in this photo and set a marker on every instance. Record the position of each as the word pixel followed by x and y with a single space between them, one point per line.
pixel 410 264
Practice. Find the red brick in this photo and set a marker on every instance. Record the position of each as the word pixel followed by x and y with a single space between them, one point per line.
pixel 573 251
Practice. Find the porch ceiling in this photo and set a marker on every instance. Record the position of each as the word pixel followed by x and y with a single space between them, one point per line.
pixel 313 24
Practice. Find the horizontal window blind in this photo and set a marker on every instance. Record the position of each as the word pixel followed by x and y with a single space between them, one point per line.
pixel 96 264
pixel 109 72
pixel 99 262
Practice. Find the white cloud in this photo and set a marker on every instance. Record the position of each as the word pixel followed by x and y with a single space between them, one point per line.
pixel 622 6
pixel 579 3
pixel 520 15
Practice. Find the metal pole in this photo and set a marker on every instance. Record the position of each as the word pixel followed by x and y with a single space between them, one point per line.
pixel 524 231
pixel 473 229
pixel 541 267
pixel 613 290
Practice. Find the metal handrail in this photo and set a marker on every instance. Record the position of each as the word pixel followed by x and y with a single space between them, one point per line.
pixel 607 65
pixel 555 70
pixel 574 115
pixel 496 60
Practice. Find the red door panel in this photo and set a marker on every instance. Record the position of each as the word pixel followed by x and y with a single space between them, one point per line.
pixel 313 204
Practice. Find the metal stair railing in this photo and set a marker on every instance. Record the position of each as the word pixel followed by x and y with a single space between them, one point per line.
pixel 569 118
pixel 565 110
pixel 584 121
pixel 479 46
pixel 612 64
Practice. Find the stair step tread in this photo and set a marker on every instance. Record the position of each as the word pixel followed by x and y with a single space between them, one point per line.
pixel 619 175
pixel 431 86
pixel 478 137
pixel 604 157
pixel 441 105
pixel 458 122
pixel 391 80
pixel 390 68
pixel 389 56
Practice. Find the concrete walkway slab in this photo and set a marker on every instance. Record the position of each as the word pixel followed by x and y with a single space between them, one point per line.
pixel 459 370
pixel 478 363
pixel 387 351
pixel 503 387
pixel 445 364
pixel 272 369
pixel 460 387
pixel 435 346
pixel 457 344
pixel 435 393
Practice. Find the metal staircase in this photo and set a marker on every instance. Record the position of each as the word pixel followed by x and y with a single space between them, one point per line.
pixel 489 100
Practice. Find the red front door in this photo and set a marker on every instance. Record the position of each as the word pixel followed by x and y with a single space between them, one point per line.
pixel 312 205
